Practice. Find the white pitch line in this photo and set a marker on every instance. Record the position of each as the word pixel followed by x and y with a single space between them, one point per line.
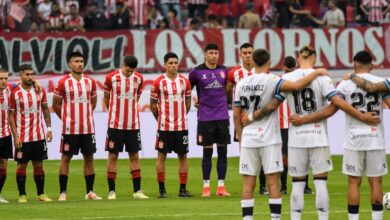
pixel 180 215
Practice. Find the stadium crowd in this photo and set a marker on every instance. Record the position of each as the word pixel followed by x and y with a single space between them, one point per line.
pixel 93 15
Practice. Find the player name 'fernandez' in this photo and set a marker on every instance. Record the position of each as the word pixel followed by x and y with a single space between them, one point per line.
pixel 252 88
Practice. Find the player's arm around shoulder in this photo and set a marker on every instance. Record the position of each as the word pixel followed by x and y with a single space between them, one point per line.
pixel 46 116
pixel 380 87
pixel 288 86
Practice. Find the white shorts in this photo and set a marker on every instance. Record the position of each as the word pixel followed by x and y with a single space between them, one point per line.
pixel 270 157
pixel 371 163
pixel 299 160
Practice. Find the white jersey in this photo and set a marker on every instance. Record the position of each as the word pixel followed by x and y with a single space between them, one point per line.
pixel 310 99
pixel 255 92
pixel 360 136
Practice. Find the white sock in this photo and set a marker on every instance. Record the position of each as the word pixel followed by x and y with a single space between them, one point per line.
pixel 275 207
pixel 245 204
pixel 221 183
pixel 353 216
pixel 322 199
pixel 377 215
pixel 206 183
pixel 296 200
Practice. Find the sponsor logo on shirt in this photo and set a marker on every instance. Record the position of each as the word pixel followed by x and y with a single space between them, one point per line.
pixel 214 85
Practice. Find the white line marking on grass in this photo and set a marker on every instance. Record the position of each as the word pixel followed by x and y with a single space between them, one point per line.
pixel 181 215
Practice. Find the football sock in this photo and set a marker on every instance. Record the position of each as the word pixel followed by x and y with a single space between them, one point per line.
pixel 283 177
pixel 3 176
pixel 206 163
pixel 296 199
pixel 221 162
pixel 21 181
pixel 89 180
pixel 221 183
pixel 377 212
pixel 111 177
pixel 183 181
pixel 63 182
pixel 353 212
pixel 262 177
pixel 39 177
pixel 136 177
pixel 322 197
pixel 275 206
pixel 206 183
pixel 247 208
pixel 161 180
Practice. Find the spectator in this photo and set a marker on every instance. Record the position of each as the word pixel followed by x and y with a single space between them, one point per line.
pixel 163 24
pixel 374 10
pixel 212 22
pixel 195 24
pixel 20 16
pixel 167 5
pixel 56 19
pixel 300 16
pixel 34 28
pixel 334 17
pixel 4 5
pixel 44 10
pixel 65 5
pixel 249 19
pixel 73 21
pixel 154 17
pixel 197 8
pixel 121 18
pixel 282 18
pixel 95 20
pixel 220 10
pixel 174 23
pixel 350 14
pixel 139 12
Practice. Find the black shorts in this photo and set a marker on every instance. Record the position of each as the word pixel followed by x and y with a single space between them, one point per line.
pixel 168 141
pixel 117 138
pixel 284 133
pixel 35 151
pixel 213 132
pixel 71 144
pixel 6 147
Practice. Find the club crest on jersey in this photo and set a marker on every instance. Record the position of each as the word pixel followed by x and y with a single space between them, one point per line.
pixel 204 76
pixel 222 73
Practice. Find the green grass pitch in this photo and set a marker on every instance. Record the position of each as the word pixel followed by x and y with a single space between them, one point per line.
pixel 125 207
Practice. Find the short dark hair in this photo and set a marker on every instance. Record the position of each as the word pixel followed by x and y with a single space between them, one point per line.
pixel 363 57
pixel 130 61
pixel 307 51
pixel 261 57
pixel 3 70
pixel 211 46
pixel 25 67
pixel 74 54
pixel 246 45
pixel 289 62
pixel 170 55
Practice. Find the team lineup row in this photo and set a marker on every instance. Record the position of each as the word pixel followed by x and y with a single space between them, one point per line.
pixel 257 96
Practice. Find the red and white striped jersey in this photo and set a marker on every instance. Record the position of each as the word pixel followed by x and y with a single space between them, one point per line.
pixel 171 96
pixel 375 9
pixel 238 73
pixel 124 91
pixel 77 112
pixel 284 115
pixel 197 2
pixel 27 105
pixel 5 96
pixel 139 11
pixel 54 21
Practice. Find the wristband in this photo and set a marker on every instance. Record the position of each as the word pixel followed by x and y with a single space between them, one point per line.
pixel 49 129
pixel 250 117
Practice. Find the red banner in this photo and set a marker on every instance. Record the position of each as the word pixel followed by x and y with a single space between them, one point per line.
pixel 104 50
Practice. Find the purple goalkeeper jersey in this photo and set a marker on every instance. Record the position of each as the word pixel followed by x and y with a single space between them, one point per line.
pixel 210 87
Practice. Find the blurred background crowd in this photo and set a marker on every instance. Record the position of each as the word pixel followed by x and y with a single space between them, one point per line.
pixel 101 15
